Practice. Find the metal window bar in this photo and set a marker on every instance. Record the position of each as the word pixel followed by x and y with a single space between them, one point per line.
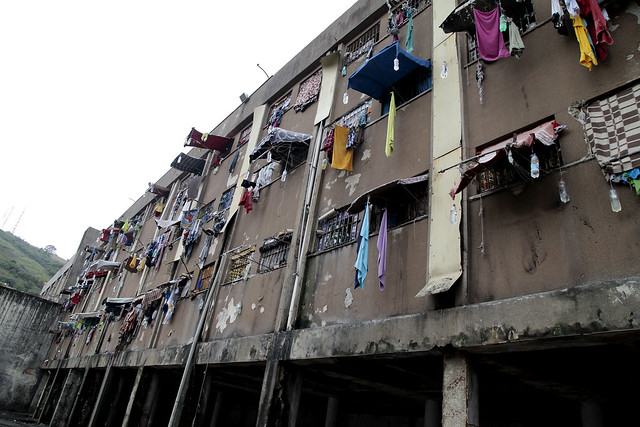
pixel 274 258
pixel 360 46
pixel 244 136
pixel 238 268
pixel 338 230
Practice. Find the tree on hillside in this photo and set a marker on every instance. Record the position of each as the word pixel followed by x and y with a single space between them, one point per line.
pixel 50 249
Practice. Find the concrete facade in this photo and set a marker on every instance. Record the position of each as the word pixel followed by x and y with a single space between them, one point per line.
pixel 496 302
pixel 25 322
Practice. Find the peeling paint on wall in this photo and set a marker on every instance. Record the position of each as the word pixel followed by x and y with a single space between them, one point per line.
pixel 232 180
pixel 228 315
pixel 261 310
pixel 330 184
pixel 253 306
pixel 348 300
pixel 634 9
pixel 352 182
pixel 366 154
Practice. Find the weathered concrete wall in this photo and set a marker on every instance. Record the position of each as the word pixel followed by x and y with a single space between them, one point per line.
pixel 25 321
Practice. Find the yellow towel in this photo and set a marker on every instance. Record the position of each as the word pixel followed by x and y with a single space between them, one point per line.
pixel 388 148
pixel 587 57
pixel 342 157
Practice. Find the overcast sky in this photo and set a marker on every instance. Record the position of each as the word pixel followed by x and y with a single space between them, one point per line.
pixel 96 98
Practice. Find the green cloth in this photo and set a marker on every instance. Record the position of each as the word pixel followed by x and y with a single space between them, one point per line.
pixel 388 149
pixel 409 43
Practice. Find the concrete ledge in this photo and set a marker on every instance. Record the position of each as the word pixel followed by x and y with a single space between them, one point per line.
pixel 541 320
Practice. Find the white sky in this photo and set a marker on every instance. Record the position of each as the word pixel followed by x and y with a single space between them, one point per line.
pixel 96 98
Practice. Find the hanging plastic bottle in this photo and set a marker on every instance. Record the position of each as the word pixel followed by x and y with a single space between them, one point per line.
pixel 396 64
pixel 324 164
pixel 615 200
pixel 535 166
pixel 345 98
pixel 453 215
pixel 562 191
pixel 284 176
pixel 269 156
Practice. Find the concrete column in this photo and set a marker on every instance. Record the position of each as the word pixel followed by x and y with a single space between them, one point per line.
pixel 591 414
pixel 459 393
pixel 68 395
pixel 431 413
pixel 294 390
pixel 102 396
pixel 332 412
pixel 269 382
pixel 133 397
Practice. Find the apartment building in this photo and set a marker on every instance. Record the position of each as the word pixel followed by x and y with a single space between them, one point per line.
pixel 421 219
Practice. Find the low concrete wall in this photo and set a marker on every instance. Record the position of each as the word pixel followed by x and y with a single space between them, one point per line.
pixel 25 321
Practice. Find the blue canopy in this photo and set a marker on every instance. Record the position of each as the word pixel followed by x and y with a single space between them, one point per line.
pixel 377 75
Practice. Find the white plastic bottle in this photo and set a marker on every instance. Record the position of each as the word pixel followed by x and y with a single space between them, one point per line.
pixel 615 200
pixel 535 166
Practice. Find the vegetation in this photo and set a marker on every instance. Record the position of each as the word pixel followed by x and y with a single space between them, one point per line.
pixel 25 267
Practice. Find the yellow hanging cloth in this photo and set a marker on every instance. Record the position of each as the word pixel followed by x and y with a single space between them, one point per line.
pixel 142 263
pixel 132 264
pixel 587 57
pixel 342 157
pixel 388 148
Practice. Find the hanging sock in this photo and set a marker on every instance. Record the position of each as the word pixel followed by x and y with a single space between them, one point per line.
pixel 382 250
pixel 388 148
pixel 361 265
pixel 409 43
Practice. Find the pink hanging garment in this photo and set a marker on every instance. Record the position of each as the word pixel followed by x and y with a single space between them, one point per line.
pixel 490 41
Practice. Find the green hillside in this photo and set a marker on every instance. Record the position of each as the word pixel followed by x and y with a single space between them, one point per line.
pixel 25 267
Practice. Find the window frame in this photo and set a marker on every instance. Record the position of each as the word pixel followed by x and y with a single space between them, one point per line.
pixel 240 264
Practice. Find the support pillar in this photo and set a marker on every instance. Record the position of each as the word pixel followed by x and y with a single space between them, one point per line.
pixel 149 401
pixel 78 397
pixel 459 393
pixel 67 398
pixel 265 413
pixel 216 410
pixel 294 390
pixel 432 413
pixel 134 396
pixel 331 418
pixel 102 396
pixel 591 414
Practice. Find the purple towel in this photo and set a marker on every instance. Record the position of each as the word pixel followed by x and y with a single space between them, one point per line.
pixel 490 41
pixel 382 250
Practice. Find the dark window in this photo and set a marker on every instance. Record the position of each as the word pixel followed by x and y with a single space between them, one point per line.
pixel 225 200
pixel 411 86
pixel 244 136
pixel 337 230
pixel 274 253
pixel 472 48
pixel 405 203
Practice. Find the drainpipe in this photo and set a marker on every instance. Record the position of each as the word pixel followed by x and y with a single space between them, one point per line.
pixel 309 207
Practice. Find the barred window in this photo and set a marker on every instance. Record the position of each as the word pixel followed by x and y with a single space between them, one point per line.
pixel 244 136
pixel 277 109
pixel 205 278
pixel 362 44
pixel 472 48
pixel 274 253
pixel 337 230
pixel 240 264
pixel 225 200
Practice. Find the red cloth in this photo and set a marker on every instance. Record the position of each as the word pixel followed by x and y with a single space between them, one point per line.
pixel 75 299
pixel 246 201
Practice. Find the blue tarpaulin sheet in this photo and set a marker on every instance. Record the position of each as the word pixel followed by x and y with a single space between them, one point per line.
pixel 376 77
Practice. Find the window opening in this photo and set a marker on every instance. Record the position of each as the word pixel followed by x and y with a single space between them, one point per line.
pixel 403 204
pixel 226 198
pixel 277 110
pixel 274 252
pixel 337 230
pixel 205 278
pixel 362 44
pixel 240 263
pixel 472 48
pixel 411 86
pixel 244 136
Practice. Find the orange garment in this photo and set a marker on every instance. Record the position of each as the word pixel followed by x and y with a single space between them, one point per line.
pixel 587 57
pixel 342 157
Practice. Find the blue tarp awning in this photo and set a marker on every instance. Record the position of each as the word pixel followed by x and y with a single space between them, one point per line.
pixel 377 75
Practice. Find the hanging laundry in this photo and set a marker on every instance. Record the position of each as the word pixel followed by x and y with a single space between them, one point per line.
pixel 382 250
pixel 490 41
pixel 232 166
pixel 352 138
pixel 557 16
pixel 479 79
pixel 246 201
pixel 516 46
pixel 572 8
pixel 388 147
pixel 361 264
pixel 327 146
pixel 587 57
pixel 342 157
pixel 409 42
pixel 596 25
pixel 193 187
pixel 264 178
pixel 171 306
